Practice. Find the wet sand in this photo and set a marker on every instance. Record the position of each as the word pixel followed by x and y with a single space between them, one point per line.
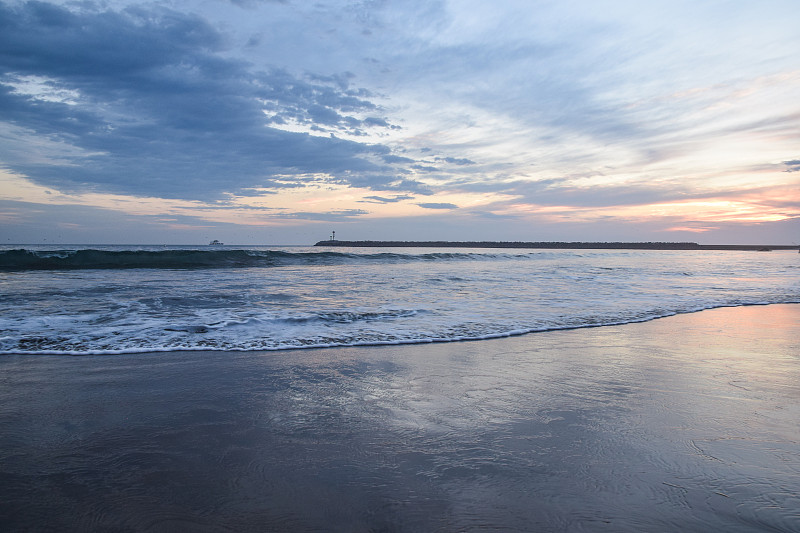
pixel 688 423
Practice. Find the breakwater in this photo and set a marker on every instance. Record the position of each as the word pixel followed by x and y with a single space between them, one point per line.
pixel 557 245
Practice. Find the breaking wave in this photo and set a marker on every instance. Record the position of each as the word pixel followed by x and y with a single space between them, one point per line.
pixel 104 300
pixel 87 259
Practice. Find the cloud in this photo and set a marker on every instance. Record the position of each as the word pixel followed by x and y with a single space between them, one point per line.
pixel 396 159
pixel 385 182
pixel 425 168
pixel 384 200
pixel 330 216
pixel 793 166
pixel 456 161
pixel 438 205
pixel 488 215
pixel 156 107
pixel 253 3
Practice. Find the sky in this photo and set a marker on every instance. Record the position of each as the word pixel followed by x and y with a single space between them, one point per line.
pixel 279 122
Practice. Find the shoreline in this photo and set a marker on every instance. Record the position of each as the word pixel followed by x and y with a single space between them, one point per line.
pixel 376 344
pixel 682 423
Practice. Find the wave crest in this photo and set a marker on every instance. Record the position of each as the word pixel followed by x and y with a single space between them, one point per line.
pixel 86 259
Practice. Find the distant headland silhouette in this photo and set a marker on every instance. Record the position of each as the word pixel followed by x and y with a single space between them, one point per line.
pixel 557 245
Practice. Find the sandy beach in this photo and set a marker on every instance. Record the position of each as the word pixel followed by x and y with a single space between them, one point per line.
pixel 687 423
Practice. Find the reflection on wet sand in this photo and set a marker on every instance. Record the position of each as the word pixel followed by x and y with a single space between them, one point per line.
pixel 686 423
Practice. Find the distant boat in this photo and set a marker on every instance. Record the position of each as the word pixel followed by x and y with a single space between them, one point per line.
pixel 215 242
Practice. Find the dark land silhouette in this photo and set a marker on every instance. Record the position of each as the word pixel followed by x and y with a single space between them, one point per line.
pixel 558 245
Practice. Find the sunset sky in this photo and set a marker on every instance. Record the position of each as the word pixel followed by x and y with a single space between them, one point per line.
pixel 277 122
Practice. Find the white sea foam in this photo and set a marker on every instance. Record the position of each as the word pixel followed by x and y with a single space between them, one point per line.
pixel 303 298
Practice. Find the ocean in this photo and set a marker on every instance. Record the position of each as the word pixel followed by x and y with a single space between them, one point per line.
pixel 81 300
pixel 588 416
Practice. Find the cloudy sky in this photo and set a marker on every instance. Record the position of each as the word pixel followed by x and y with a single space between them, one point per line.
pixel 277 122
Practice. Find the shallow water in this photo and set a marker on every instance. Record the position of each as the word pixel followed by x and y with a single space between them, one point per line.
pixel 139 299
pixel 688 423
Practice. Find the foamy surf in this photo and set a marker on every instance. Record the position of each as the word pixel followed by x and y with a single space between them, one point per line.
pixel 144 299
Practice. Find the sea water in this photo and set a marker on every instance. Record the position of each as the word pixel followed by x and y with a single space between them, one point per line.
pixel 686 424
pixel 124 299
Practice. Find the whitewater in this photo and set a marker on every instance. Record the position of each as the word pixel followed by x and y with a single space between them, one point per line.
pixel 81 300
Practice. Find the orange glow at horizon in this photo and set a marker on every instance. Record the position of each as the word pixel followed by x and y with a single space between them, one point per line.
pixel 690 229
pixel 305 205
pixel 777 205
